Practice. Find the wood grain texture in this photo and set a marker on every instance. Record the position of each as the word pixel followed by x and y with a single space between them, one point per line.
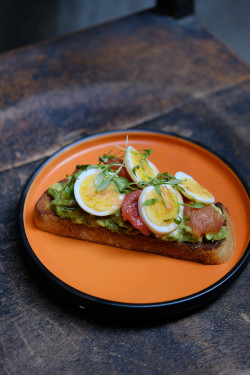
pixel 219 121
pixel 148 72
pixel 114 76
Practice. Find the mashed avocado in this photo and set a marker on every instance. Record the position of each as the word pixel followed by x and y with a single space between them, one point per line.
pixel 184 234
pixel 65 206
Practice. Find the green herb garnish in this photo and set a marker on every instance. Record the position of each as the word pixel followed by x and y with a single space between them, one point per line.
pixel 108 175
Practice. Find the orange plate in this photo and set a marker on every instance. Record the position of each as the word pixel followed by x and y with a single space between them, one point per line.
pixel 124 276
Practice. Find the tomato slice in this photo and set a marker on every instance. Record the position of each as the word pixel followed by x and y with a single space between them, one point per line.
pixel 123 172
pixel 206 220
pixel 130 212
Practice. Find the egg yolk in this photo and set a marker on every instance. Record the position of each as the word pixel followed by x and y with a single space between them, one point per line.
pixel 158 212
pixel 104 200
pixel 145 172
pixel 195 188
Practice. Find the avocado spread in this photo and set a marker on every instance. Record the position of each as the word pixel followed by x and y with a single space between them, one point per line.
pixel 65 206
pixel 184 234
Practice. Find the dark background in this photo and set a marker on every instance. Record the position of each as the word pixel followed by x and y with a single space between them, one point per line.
pixel 24 22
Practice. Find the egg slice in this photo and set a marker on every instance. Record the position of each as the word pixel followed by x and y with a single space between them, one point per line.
pixel 146 169
pixel 105 202
pixel 193 190
pixel 153 211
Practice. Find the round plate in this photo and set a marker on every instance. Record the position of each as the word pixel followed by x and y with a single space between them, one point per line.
pixel 129 282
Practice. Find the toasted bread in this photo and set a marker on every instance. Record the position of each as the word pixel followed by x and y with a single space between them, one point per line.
pixel 215 252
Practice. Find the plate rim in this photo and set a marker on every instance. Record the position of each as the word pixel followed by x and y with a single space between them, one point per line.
pixel 83 300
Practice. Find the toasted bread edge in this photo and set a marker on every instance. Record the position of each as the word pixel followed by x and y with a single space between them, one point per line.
pixel 216 252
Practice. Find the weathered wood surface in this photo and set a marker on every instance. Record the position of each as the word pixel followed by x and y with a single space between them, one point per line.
pixel 147 71
pixel 114 76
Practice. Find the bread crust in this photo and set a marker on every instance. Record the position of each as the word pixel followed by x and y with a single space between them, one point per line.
pixel 216 252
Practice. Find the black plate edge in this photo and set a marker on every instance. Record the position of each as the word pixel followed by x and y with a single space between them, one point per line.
pixel 101 306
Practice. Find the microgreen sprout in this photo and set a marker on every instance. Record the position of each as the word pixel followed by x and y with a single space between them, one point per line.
pixel 111 164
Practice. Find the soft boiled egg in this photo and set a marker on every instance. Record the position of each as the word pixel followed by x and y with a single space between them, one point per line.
pixel 159 211
pixel 139 168
pixel 105 202
pixel 193 190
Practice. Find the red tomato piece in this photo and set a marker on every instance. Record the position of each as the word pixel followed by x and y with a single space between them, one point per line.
pixel 206 220
pixel 123 172
pixel 130 212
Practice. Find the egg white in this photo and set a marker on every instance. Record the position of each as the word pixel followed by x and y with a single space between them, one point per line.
pixel 84 206
pixel 166 227
pixel 129 165
pixel 192 195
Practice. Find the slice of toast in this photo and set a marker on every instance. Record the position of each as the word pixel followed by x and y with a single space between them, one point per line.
pixel 216 252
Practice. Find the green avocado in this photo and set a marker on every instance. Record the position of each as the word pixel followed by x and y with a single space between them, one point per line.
pixel 184 234
pixel 65 206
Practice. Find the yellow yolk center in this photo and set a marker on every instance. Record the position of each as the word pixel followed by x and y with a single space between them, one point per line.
pixel 157 212
pixel 145 172
pixel 99 201
pixel 195 188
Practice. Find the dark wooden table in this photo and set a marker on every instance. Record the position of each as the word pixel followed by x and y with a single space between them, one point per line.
pixel 146 71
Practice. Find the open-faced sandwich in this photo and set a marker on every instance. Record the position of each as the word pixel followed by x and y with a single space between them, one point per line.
pixel 124 201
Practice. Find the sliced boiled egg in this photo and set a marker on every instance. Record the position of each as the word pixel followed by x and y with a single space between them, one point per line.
pixel 193 190
pixel 105 202
pixel 159 211
pixel 139 168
